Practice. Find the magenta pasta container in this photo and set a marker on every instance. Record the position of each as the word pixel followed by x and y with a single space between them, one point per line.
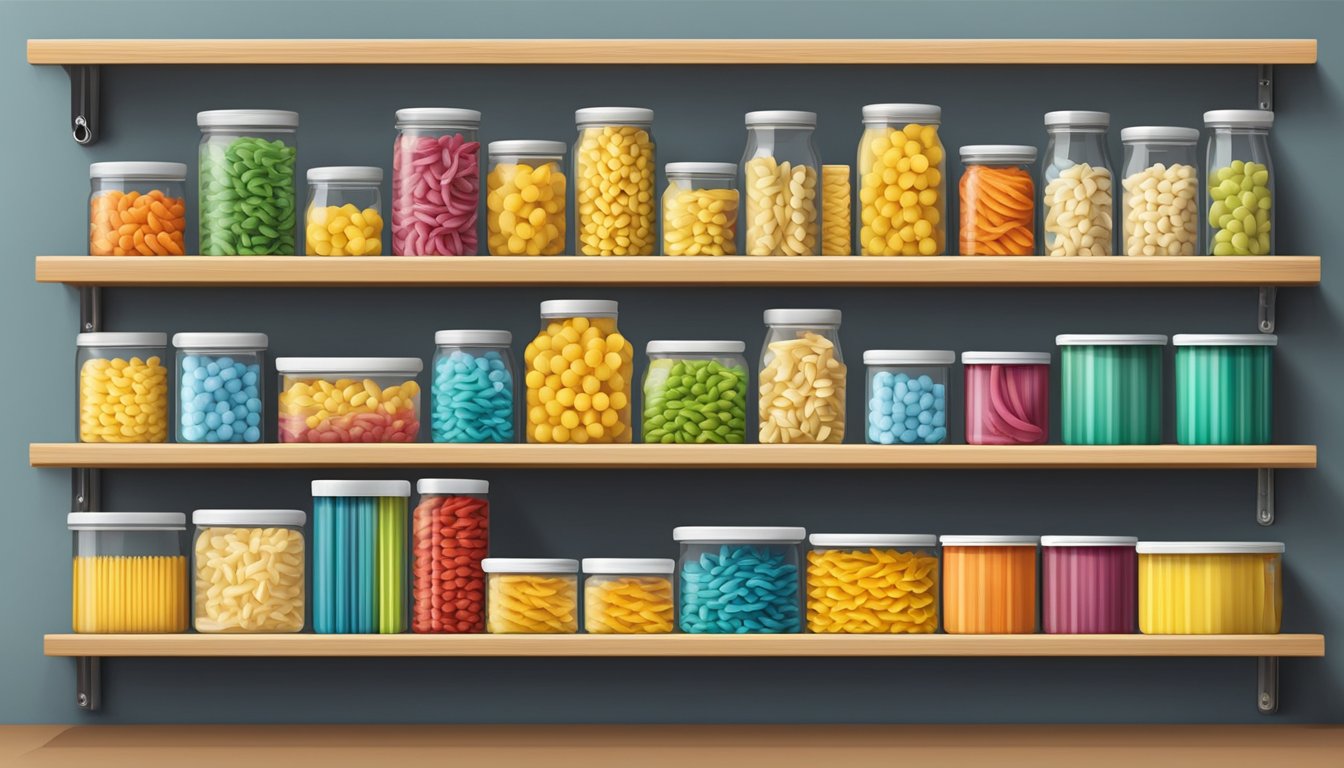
pixel 1007 397
pixel 1089 585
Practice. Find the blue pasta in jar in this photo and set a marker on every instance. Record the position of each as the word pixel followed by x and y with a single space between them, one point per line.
pixel 739 579
pixel 907 396
pixel 219 383
pixel 471 394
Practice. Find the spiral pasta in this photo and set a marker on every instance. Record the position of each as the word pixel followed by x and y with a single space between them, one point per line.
pixel 835 210
pixel 998 211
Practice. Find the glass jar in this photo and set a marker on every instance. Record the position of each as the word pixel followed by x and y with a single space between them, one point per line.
pixel 1240 183
pixel 802 381
pixel 450 531
pixel 628 596
pixel 344 211
pixel 781 172
pixel 615 213
pixel 1110 388
pixel 700 209
pixel 359 556
pixel 471 395
pixel 532 596
pixel 436 182
pixel 579 373
pixel 998 200
pixel 1088 585
pixel 123 387
pixel 246 174
pixel 695 392
pixel 137 209
pixel 989 585
pixel 525 198
pixel 902 187
pixel 349 399
pixel 1161 191
pixel 1210 587
pixel 860 583
pixel 130 573
pixel 1077 205
pixel 219 380
pixel 907 395
pixel 1224 388
pixel 249 570
pixel 763 595
pixel 1007 397
pixel 836 211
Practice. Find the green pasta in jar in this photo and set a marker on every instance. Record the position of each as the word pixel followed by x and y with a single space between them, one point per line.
pixel 1239 192
pixel 247 198
pixel 695 392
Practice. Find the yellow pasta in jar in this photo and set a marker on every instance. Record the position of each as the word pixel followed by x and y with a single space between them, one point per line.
pixel 627 596
pixel 136 594
pixel 872 584
pixel 531 596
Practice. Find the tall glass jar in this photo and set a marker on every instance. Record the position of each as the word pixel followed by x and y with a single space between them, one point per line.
pixel 802 383
pixel 700 209
pixel 1161 191
pixel 998 200
pixel 525 198
pixel 1077 205
pixel 360 548
pixel 436 182
pixel 781 172
pixel 902 188
pixel 137 209
pixel 615 212
pixel 219 387
pixel 247 200
pixel 471 389
pixel 450 536
pixel 579 373
pixel 123 387
pixel 344 211
pixel 695 392
pixel 1240 184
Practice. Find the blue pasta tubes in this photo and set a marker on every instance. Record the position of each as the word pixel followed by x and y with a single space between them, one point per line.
pixel 471 397
pixel 739 580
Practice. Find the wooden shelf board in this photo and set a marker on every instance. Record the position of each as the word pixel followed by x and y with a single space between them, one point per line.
pixel 679 271
pixel 674 51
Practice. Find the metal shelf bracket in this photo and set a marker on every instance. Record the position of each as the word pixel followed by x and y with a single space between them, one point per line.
pixel 1268 297
pixel 85 87
pixel 1267 683
pixel 88 683
pixel 1264 496
pixel 1264 87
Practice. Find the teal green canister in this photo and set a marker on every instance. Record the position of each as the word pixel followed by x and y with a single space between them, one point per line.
pixel 1224 388
pixel 1111 388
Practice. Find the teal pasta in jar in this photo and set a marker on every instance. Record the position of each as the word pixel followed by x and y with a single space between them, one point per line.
pixel 739 579
pixel 1224 388
pixel 1111 388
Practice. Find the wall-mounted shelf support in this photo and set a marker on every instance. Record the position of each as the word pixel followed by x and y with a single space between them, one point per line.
pixel 1264 87
pixel 90 308
pixel 1268 297
pixel 1264 496
pixel 86 494
pixel 1267 682
pixel 89 684
pixel 85 85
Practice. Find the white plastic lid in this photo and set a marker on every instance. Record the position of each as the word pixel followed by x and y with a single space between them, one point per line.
pixel 361 488
pixel 1159 133
pixel 783 117
pixel 1005 358
pixel 126 521
pixel 348 365
pixel 727 534
pixel 998 153
pixel 360 174
pixel 693 347
pixel 613 115
pixel 466 337
pixel 220 340
pixel 428 116
pixel 1225 340
pixel 632 565
pixel 909 357
pixel 1239 118
pixel 117 339
pixel 906 113
pixel 529 565
pixel 578 308
pixel 1209 547
pixel 915 540
pixel 1079 118
pixel 700 169
pixel 528 147
pixel 1089 541
pixel 451 485
pixel 249 517
pixel 802 317
pixel 139 170
pixel 989 541
pixel 1111 340
pixel 247 118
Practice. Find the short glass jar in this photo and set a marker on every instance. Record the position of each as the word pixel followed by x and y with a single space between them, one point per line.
pixel 862 583
pixel 1078 203
pixel 348 399
pixel 344 215
pixel 1160 207
pixel 1224 388
pixel 902 187
pixel 1007 397
pixel 1110 388
pixel 532 596
pixel 695 392
pixel 989 585
pixel 781 179
pixel 247 198
pixel 137 209
pixel 436 182
pixel 628 596
pixel 249 570
pixel 472 385
pixel 1210 587
pixel 998 200
pixel 802 379
pixel 220 395
pixel 700 209
pixel 450 530
pixel 1088 585
pixel 579 375
pixel 1240 184
pixel 764 594
pixel 130 573
pixel 525 198
pixel 615 170
pixel 123 387
pixel 907 396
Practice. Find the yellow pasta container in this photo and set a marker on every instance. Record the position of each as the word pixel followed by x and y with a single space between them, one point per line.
pixel 531 596
pixel 129 572
pixel 872 584
pixel 248 570
pixel 1210 587
pixel 627 596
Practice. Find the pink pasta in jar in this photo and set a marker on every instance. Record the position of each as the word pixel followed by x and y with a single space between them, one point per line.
pixel 436 182
pixel 1007 397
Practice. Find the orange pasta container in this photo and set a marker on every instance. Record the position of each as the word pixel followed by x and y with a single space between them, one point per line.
pixel 137 209
pixel 989 585
pixel 998 200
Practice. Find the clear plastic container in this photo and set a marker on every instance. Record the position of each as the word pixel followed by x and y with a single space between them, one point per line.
pixel 615 170
pixel 695 392
pixel 450 531
pixel 129 572
pixel 220 396
pixel 247 198
pixel 532 596
pixel 1160 207
pixel 907 396
pixel 700 209
pixel 781 178
pixel 249 570
pixel 628 596
pixel 989 585
pixel 763 595
pixel 1210 587
pixel 1224 388
pixel 1239 189
pixel 436 182
pixel 123 387
pixel 349 399
pixel 525 198
pixel 1007 397
pixel 998 200
pixel 1088 585
pixel 345 211
pixel 360 540
pixel 580 371
pixel 902 184
pixel 802 381
pixel 1078 203
pixel 861 583
pixel 1110 388
pixel 471 390
pixel 137 209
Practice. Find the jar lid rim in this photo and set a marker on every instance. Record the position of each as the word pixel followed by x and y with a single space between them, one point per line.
pixel 781 117
pixel 1022 153
pixel 432 486
pixel 989 541
pixel 694 346
pixel 578 307
pixel 409 365
pixel 247 118
pixel 122 521
pixel 803 316
pixel 916 113
pixel 1225 340
pixel 138 169
pixel 1111 340
pixel 873 540
pixel 249 517
pixel 1078 118
pixel 1239 118
pixel 370 174
pixel 613 115
pixel 539 147
pixel 121 339
pixel 472 336
pixel 411 117
pixel 220 340
pixel 1209 547
pixel 1089 541
pixel 529 565
pixel 738 533
pixel 909 357
pixel 336 488
pixel 1005 358
pixel 1174 134
pixel 701 169
pixel 598 566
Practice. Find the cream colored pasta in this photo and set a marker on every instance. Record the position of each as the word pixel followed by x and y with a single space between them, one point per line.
pixel 249 580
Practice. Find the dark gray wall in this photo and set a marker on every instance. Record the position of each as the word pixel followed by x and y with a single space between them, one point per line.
pixel 347 119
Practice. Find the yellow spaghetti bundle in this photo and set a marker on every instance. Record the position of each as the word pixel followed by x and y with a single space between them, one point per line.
pixel 835 211
pixel 130 594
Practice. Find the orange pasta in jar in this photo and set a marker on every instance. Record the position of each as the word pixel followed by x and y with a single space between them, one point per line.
pixel 137 209
pixel 989 585
pixel 998 200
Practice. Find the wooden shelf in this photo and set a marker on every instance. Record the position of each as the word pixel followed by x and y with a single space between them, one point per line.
pixel 305 645
pixel 303 271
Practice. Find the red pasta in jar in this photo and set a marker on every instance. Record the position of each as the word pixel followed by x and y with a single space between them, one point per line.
pixel 1007 397
pixel 436 182
pixel 450 532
